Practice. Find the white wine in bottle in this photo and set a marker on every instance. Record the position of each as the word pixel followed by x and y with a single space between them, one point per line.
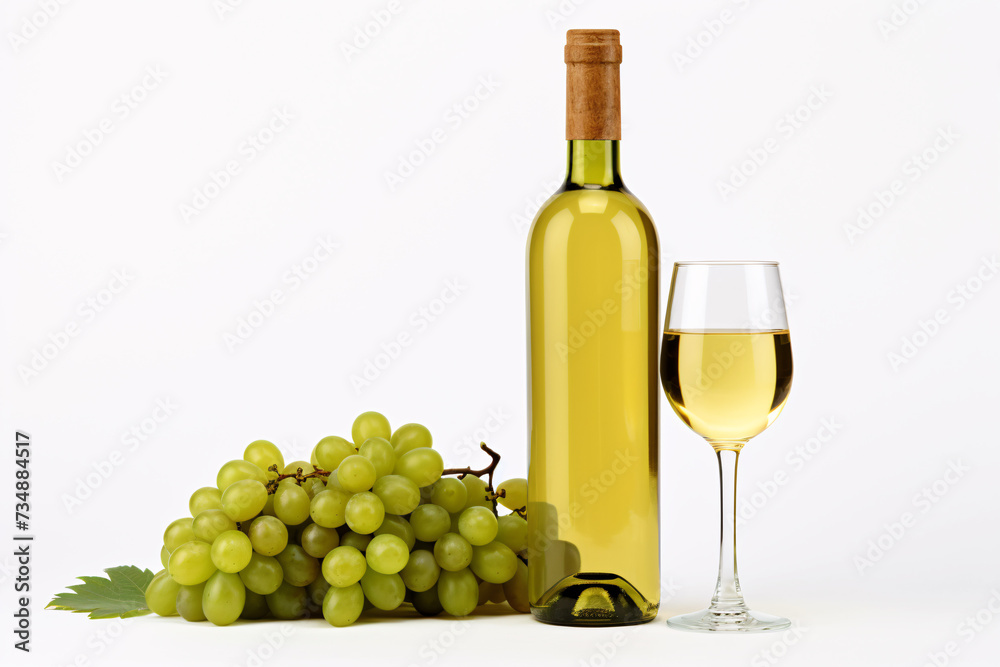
pixel 593 304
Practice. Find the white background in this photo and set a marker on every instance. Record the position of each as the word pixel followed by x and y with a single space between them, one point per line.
pixel 458 219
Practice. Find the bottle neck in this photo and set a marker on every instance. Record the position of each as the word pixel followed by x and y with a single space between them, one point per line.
pixel 593 163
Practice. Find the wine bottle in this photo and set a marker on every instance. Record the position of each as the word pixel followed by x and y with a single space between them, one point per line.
pixel 593 308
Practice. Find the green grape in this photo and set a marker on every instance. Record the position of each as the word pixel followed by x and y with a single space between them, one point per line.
pixel 352 539
pixel 161 594
pixel 164 556
pixel 430 522
pixel 356 473
pixel 313 486
pixel 515 493
pixel 205 498
pixel 331 450
pixel 209 524
pixel 268 535
pixel 334 484
pixel 478 525
pixel 316 592
pixel 458 592
pixel 344 566
pixel 295 532
pixel 398 526
pixel 294 468
pixel 516 589
pixel 231 551
pixel 427 603
pixel 364 512
pixel 410 436
pixel 496 594
pixel 288 602
pixel 421 571
pixel 370 425
pixel 450 493
pixel 263 574
pixel 264 454
pixel 489 593
pixel 399 494
pixel 191 563
pixel 328 508
pixel 223 598
pixel 387 554
pixel 318 540
pixel 452 552
pixel 300 568
pixel 512 530
pixel 342 606
pixel 255 606
pixel 385 591
pixel 178 532
pixel 291 504
pixel 268 506
pixel 243 500
pixel 189 603
pixel 475 492
pixel 494 562
pixel 379 452
pixel 237 470
pixel 423 466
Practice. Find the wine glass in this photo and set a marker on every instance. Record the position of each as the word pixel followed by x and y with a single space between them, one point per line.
pixel 726 367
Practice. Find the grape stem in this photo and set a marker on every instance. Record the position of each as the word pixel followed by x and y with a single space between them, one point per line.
pixel 488 471
pixel 299 476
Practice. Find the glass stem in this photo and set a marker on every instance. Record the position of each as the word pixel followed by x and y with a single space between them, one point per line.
pixel 728 598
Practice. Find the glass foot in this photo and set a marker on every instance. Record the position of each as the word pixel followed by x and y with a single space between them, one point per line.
pixel 712 620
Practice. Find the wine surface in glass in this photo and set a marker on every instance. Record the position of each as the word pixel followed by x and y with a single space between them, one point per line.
pixel 728 386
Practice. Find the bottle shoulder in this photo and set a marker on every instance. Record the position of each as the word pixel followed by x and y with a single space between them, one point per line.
pixel 581 209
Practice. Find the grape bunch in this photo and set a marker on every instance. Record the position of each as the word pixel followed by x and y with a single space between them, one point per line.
pixel 373 523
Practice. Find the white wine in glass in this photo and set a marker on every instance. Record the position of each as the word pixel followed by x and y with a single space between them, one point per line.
pixel 726 367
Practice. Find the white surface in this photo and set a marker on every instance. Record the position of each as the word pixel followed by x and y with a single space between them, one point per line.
pixel 456 219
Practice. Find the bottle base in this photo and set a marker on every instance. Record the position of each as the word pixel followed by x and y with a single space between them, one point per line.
pixel 594 599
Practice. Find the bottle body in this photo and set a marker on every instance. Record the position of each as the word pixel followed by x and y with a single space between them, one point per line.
pixel 593 336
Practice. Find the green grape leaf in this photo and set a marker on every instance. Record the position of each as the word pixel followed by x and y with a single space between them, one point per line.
pixel 121 595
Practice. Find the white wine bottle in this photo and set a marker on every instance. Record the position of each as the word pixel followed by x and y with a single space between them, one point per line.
pixel 593 304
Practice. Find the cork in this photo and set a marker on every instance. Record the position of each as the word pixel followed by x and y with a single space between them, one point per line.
pixel 593 103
